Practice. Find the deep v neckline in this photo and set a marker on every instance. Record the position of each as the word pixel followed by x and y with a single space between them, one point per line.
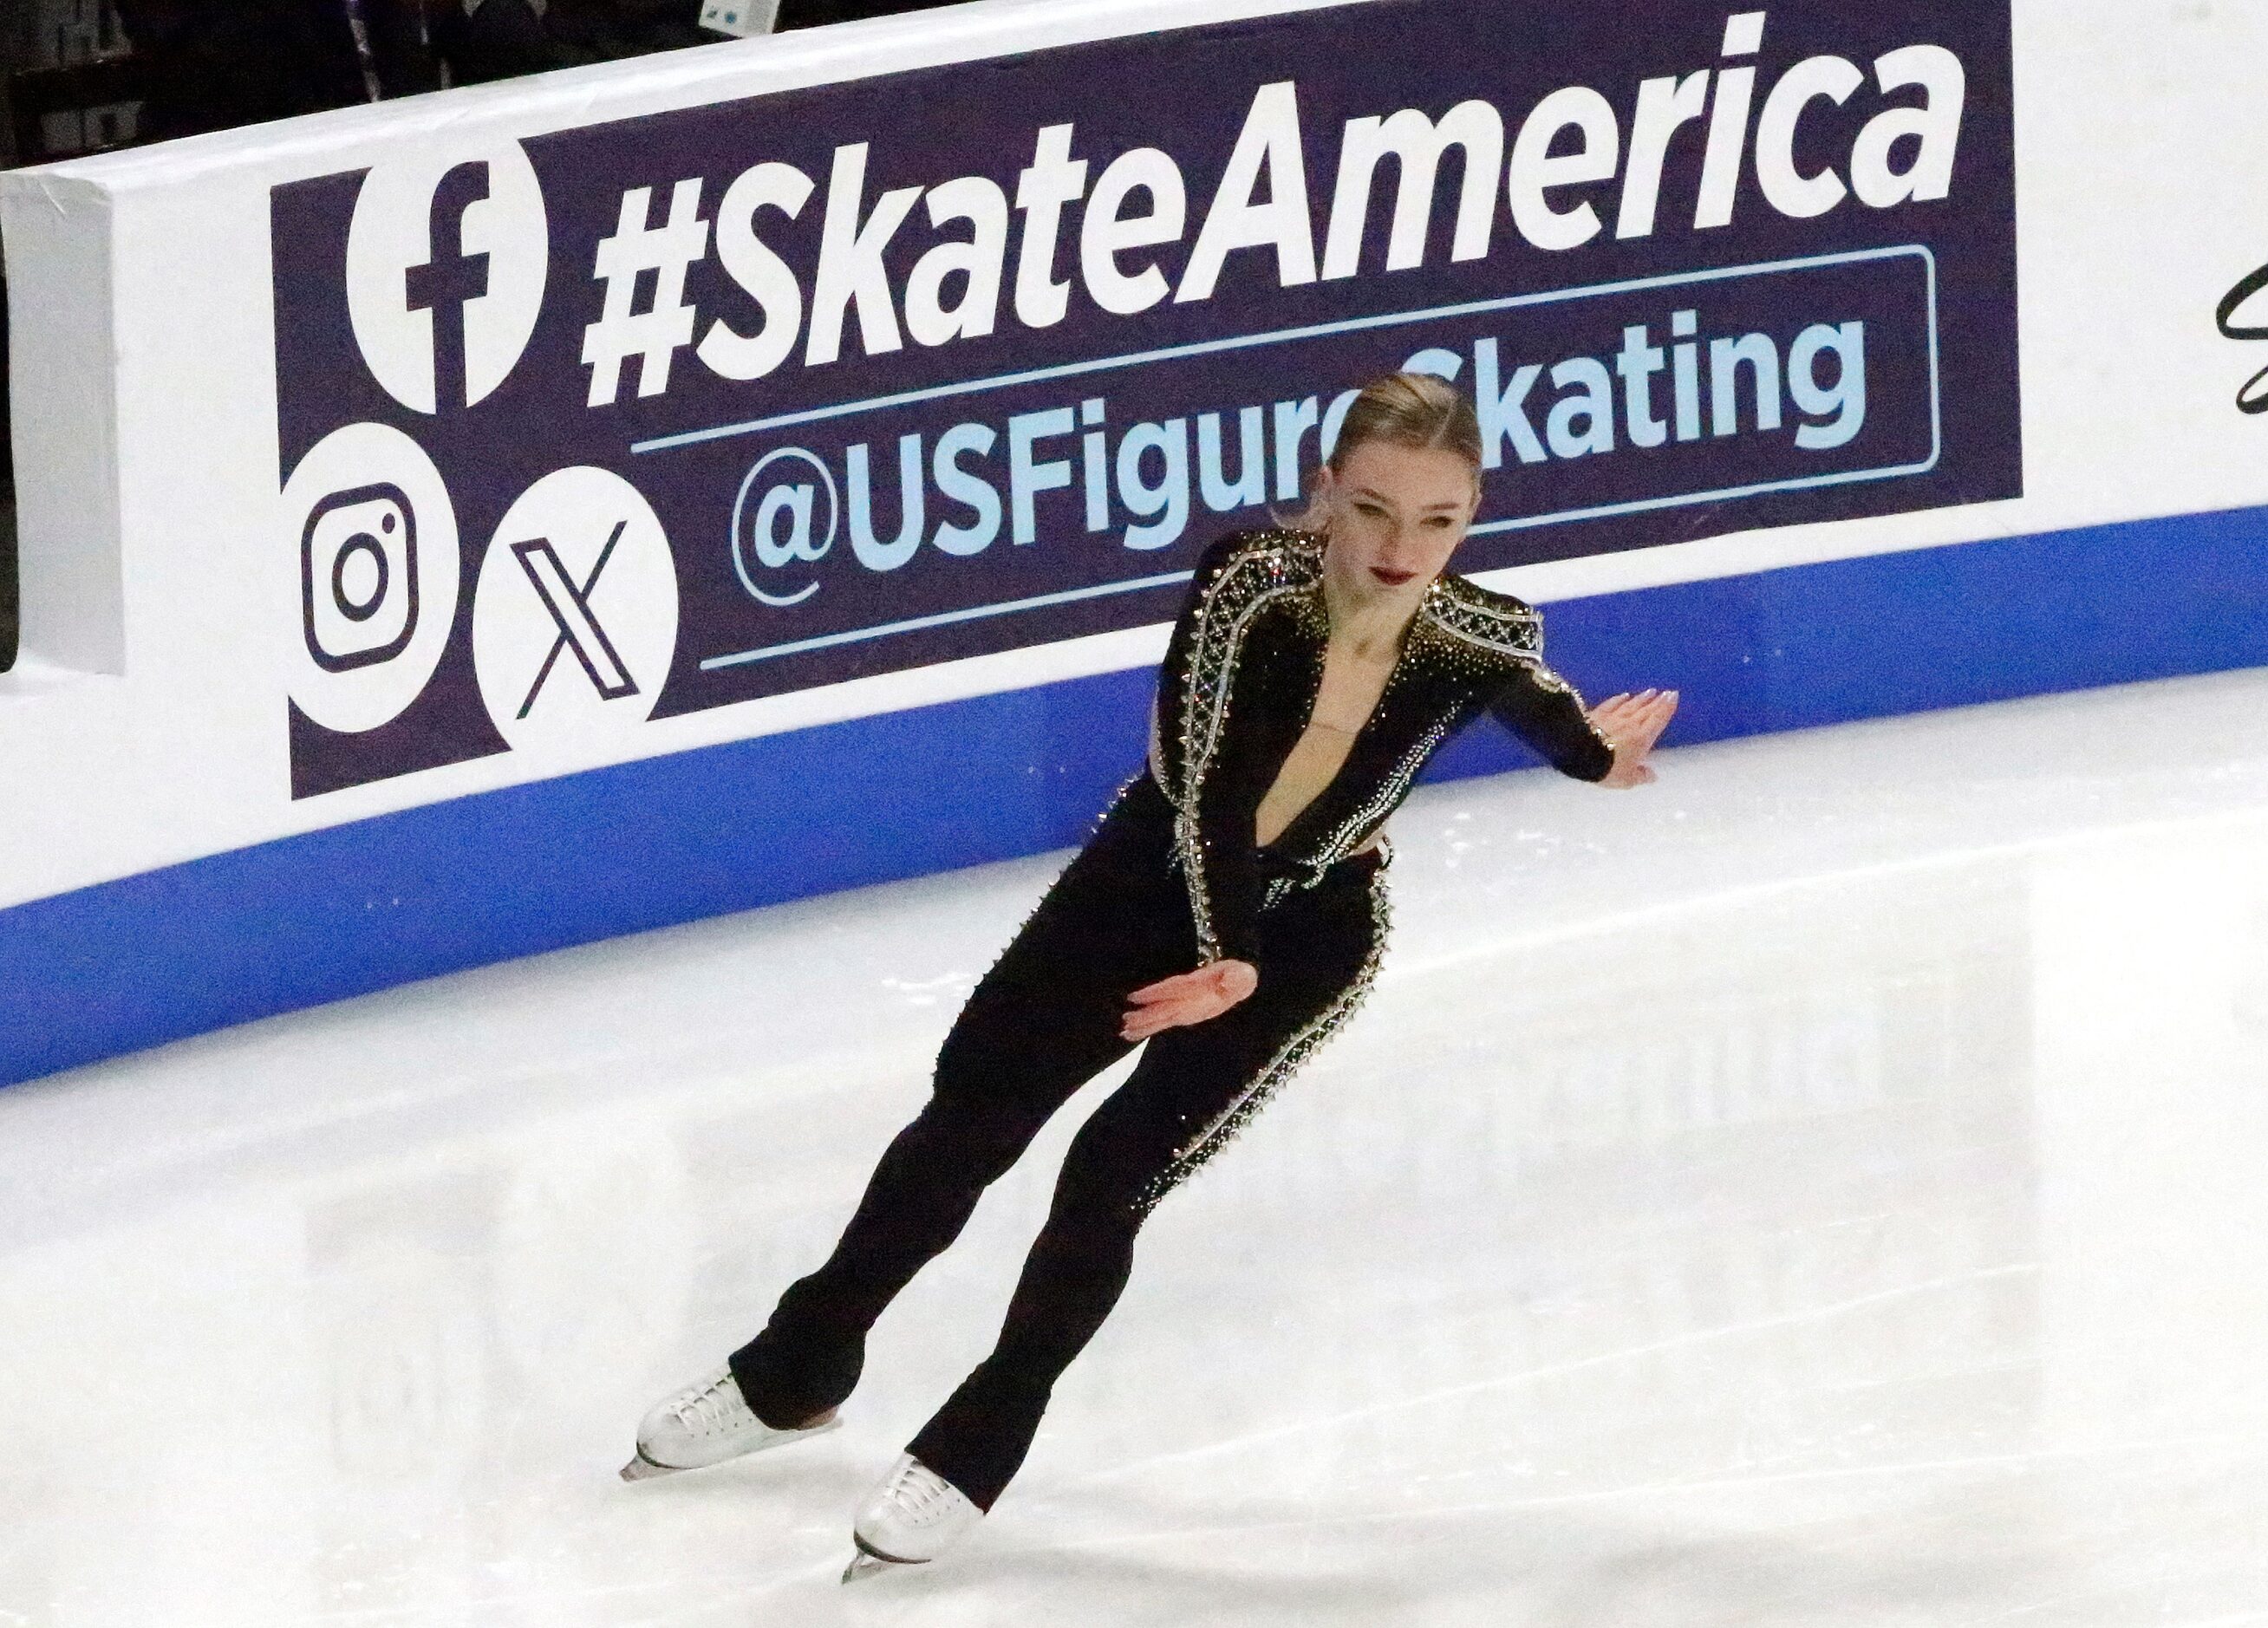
pixel 1319 617
pixel 1322 617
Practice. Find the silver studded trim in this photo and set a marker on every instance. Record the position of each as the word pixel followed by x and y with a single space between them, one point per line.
pixel 1223 1127
pixel 1383 802
pixel 1277 565
pixel 1496 621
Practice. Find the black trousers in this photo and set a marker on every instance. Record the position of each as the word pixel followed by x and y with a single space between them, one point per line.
pixel 1040 1023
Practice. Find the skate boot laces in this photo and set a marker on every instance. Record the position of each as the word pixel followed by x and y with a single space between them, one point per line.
pixel 717 1406
pixel 922 1496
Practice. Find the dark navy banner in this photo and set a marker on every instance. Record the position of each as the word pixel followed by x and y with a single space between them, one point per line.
pixel 648 417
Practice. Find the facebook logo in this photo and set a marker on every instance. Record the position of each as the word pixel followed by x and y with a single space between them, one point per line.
pixel 446 284
pixel 446 262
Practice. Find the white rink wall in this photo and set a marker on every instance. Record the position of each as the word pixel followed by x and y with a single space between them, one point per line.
pixel 144 726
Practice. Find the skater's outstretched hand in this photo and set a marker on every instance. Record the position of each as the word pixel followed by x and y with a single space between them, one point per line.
pixel 1188 997
pixel 1631 725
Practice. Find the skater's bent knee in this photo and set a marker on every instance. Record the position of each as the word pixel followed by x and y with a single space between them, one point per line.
pixel 1100 1204
pixel 982 1137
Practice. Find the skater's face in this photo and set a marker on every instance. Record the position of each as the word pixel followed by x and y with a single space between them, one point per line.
pixel 1397 515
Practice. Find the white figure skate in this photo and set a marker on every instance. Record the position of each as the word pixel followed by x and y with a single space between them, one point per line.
pixel 705 1424
pixel 913 1515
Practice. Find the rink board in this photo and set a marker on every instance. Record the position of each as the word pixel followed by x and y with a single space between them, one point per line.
pixel 434 889
pixel 218 810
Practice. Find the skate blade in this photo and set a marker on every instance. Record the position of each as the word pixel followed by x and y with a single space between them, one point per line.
pixel 863 1564
pixel 643 1468
pixel 868 1561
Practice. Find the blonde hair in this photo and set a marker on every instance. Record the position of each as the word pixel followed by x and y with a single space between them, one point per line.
pixel 1417 410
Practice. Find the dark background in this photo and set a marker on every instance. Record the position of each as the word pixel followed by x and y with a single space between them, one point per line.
pixel 79 77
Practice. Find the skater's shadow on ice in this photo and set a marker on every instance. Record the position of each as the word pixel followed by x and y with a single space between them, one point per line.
pixel 813 1482
pixel 1172 1585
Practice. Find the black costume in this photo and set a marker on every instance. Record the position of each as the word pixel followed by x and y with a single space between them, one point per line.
pixel 1172 878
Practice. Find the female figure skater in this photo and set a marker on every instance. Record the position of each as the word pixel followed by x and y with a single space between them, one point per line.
pixel 1229 909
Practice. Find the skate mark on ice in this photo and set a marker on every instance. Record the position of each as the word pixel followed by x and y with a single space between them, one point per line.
pixel 1419 1399
pixel 1704 1484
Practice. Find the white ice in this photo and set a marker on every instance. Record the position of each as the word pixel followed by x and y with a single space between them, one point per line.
pixel 1828 1189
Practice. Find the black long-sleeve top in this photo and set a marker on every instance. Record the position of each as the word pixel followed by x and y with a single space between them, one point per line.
pixel 1242 670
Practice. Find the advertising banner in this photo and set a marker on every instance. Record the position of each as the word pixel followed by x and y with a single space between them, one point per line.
pixel 647 418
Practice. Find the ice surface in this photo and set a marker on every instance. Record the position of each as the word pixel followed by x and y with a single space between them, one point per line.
pixel 1828 1187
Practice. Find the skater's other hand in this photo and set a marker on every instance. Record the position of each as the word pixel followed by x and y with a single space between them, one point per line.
pixel 1188 997
pixel 1631 725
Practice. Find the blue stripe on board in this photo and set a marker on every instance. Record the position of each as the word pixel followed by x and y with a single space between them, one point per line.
pixel 315 917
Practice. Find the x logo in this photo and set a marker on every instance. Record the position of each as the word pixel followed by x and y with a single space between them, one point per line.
pixel 569 605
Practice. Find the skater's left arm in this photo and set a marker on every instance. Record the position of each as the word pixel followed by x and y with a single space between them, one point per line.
pixel 1606 744
pixel 1632 724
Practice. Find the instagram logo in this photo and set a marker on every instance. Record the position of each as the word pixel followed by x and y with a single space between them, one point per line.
pixel 376 535
pixel 359 577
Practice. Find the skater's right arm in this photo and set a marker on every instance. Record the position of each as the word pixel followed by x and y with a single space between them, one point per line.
pixel 1215 842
